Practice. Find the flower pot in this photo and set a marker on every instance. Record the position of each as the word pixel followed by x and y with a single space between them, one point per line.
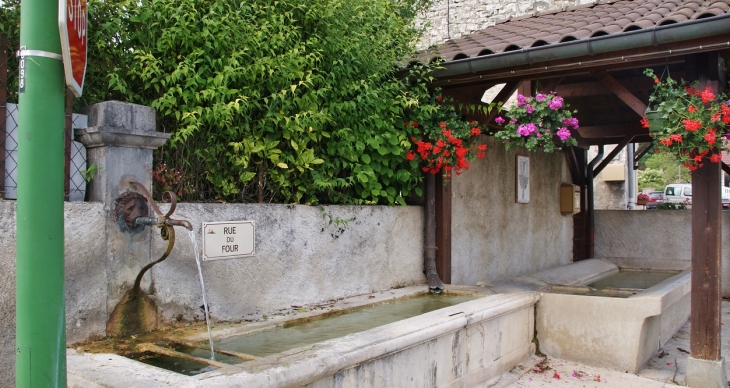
pixel 656 121
pixel 642 201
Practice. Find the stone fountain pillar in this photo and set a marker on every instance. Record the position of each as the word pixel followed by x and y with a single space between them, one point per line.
pixel 120 139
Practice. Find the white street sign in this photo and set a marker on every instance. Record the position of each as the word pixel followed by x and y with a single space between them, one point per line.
pixel 228 240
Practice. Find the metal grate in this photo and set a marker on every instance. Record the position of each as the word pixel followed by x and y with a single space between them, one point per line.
pixel 75 188
pixel 77 162
pixel 77 157
pixel 3 100
pixel 11 151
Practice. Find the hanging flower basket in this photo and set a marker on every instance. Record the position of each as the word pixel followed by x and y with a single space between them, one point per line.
pixel 655 119
pixel 445 142
pixel 692 122
pixel 539 122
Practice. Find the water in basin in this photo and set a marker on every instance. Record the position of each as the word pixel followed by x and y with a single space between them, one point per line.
pixel 282 338
pixel 186 367
pixel 632 279
pixel 578 290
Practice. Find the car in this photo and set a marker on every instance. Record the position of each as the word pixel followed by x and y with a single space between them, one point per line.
pixel 682 193
pixel 655 198
pixel 678 193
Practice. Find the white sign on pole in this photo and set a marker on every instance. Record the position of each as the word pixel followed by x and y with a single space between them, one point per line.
pixel 228 240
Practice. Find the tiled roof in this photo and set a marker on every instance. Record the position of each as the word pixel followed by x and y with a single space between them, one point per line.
pixel 578 23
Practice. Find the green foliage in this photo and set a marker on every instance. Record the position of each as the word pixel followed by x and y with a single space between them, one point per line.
pixel 671 206
pixel 661 169
pixel 10 26
pixel 90 172
pixel 650 178
pixel 280 101
pixel 332 220
pixel 298 98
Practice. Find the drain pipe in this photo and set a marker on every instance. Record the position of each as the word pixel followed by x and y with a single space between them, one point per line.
pixel 434 283
pixel 631 189
pixel 591 203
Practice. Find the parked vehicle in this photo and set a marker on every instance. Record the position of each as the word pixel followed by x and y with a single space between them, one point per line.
pixel 682 193
pixel 678 193
pixel 655 198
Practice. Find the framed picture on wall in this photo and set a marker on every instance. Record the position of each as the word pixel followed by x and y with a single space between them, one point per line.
pixel 522 179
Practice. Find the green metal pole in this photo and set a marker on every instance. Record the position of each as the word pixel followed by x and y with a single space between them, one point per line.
pixel 40 309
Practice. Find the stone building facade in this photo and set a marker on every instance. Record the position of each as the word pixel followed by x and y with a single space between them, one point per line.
pixel 449 19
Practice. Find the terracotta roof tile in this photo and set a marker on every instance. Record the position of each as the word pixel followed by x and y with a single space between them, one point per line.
pixel 581 22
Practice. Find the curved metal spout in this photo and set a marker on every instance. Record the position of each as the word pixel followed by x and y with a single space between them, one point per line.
pixel 164 222
pixel 184 223
pixel 164 219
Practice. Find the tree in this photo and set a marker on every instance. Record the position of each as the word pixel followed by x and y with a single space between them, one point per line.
pixel 670 168
pixel 283 101
pixel 288 101
pixel 650 178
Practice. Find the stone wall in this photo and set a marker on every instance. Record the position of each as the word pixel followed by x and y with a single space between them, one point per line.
pixel 450 19
pixel 300 259
pixel 85 276
pixel 611 195
pixel 492 235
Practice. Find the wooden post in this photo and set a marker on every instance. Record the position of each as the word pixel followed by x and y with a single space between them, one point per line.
pixel 443 228
pixel 706 236
pixel 706 260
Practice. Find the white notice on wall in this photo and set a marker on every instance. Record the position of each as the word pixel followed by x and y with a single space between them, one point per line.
pixel 228 240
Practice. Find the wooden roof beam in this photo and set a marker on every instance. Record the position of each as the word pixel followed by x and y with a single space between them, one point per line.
pixel 620 130
pixel 626 140
pixel 596 88
pixel 502 96
pixel 619 90
pixel 642 151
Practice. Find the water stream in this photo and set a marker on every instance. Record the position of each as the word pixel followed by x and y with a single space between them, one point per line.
pixel 202 288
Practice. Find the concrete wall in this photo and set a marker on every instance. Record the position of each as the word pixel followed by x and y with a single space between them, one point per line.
pixel 611 195
pixel 450 19
pixel 654 234
pixel 492 235
pixel 85 248
pixel 300 258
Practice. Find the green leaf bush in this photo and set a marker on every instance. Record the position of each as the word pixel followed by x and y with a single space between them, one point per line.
pixel 268 101
pixel 283 101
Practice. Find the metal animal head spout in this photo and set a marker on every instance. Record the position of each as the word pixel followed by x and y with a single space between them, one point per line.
pixel 131 211
pixel 127 209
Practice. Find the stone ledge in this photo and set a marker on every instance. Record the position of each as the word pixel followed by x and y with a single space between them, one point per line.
pixel 103 136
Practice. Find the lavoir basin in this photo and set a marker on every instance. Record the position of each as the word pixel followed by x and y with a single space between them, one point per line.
pixel 610 312
pixel 391 338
